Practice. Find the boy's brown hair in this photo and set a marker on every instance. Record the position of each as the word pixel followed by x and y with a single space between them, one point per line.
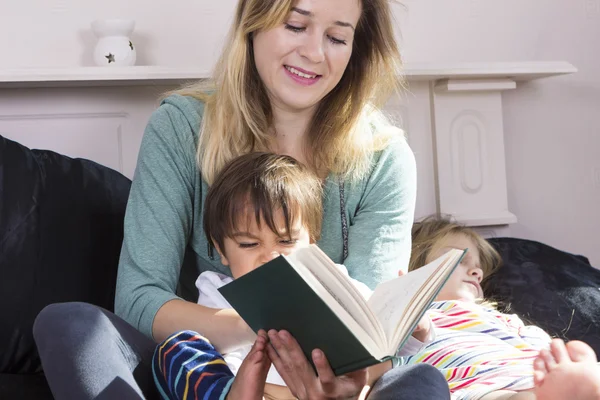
pixel 432 230
pixel 258 185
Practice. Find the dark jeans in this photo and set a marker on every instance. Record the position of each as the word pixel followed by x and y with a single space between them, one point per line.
pixel 90 353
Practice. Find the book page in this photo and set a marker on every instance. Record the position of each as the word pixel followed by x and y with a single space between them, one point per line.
pixel 419 305
pixel 392 300
pixel 341 288
pixel 356 299
pixel 322 285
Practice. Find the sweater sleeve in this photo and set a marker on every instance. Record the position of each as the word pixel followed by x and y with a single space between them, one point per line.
pixel 379 235
pixel 158 219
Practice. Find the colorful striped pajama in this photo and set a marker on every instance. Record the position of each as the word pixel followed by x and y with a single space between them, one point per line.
pixel 480 350
pixel 187 367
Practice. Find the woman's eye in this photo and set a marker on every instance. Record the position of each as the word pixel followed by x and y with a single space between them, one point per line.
pixel 248 245
pixel 336 41
pixel 294 28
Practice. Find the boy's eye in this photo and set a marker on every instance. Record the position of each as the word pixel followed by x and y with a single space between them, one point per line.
pixel 247 245
pixel 290 242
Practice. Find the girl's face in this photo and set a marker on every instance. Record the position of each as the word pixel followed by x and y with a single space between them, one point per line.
pixel 464 283
pixel 302 60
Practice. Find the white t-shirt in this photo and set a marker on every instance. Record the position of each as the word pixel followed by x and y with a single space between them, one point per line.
pixel 208 284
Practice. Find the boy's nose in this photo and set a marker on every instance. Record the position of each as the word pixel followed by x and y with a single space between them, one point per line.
pixel 269 255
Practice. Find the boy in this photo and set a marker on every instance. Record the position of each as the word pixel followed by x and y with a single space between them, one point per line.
pixel 260 206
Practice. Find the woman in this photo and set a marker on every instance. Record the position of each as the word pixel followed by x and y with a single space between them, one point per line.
pixel 301 78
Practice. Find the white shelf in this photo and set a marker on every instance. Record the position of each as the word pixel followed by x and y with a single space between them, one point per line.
pixel 150 75
pixel 518 71
pixel 98 76
pixel 504 218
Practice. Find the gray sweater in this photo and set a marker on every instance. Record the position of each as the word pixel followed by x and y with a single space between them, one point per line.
pixel 163 221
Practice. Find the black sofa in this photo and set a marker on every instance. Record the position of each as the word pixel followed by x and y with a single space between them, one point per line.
pixel 61 233
pixel 60 238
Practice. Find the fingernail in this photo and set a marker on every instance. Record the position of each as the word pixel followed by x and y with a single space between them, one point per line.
pixel 318 354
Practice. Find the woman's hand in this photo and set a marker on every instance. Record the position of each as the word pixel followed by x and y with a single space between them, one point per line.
pixel 299 375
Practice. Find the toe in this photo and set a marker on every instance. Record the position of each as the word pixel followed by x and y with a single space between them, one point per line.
pixel 559 351
pixel 540 366
pixel 548 359
pixel 538 378
pixel 581 352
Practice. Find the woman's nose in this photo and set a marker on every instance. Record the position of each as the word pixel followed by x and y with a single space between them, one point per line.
pixel 312 48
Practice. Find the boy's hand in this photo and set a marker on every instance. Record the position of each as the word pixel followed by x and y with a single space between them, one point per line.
pixel 298 374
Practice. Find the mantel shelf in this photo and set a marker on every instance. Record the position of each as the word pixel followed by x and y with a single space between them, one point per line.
pixel 152 75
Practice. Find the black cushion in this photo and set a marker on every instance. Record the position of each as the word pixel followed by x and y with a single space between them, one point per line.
pixel 61 228
pixel 24 387
pixel 550 288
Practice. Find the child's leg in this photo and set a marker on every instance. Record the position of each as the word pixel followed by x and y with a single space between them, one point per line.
pixel 185 364
pixel 567 372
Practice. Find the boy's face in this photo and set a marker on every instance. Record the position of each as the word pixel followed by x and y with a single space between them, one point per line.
pixel 464 283
pixel 251 246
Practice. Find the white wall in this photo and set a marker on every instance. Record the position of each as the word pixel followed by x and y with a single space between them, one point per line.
pixel 552 134
pixel 552 129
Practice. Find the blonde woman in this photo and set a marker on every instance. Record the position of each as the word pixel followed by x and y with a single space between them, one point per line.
pixel 303 78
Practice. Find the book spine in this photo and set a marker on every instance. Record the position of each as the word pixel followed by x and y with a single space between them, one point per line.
pixel 364 363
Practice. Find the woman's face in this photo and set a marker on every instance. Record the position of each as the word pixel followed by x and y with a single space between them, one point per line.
pixel 302 60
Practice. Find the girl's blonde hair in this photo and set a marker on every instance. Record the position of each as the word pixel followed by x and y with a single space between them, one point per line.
pixel 429 233
pixel 341 136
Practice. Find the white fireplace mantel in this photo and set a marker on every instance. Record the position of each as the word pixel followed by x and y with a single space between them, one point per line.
pixel 152 75
pixel 452 115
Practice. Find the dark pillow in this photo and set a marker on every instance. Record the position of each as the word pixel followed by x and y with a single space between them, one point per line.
pixel 61 228
pixel 555 290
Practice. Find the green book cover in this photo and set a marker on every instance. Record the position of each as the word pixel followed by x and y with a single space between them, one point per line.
pixel 275 296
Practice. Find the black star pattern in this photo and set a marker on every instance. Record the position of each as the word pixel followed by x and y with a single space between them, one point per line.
pixel 131 45
pixel 110 57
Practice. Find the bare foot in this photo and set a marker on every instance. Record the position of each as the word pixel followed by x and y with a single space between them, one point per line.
pixel 567 372
pixel 249 382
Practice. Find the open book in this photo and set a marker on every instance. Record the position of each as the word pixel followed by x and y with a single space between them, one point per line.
pixel 306 294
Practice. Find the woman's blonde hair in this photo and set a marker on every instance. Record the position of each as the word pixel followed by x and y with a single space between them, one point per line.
pixel 342 134
pixel 429 233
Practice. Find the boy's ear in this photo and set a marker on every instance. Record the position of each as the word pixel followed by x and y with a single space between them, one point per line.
pixel 224 259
